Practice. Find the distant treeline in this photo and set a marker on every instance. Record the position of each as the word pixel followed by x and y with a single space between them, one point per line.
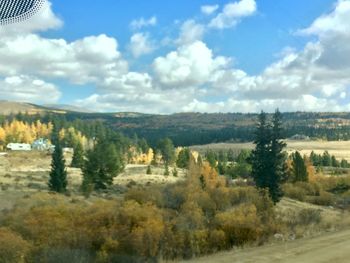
pixel 188 129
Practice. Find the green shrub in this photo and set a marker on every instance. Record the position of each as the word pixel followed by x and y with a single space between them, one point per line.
pixel 294 192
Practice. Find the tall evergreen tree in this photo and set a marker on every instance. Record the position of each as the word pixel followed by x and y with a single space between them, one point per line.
pixel 260 155
pixel 278 158
pixel 78 156
pixel 326 159
pixel 268 159
pixel 300 173
pixel 58 174
pixel 167 149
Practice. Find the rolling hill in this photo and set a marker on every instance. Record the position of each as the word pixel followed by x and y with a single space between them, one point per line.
pixel 195 128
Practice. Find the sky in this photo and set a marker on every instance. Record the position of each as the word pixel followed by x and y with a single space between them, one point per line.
pixel 181 56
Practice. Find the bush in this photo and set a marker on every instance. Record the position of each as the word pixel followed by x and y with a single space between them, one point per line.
pixel 241 225
pixel 310 216
pixel 294 192
pixel 13 248
pixel 324 199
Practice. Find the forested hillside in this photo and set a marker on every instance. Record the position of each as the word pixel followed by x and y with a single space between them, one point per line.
pixel 192 128
pixel 201 128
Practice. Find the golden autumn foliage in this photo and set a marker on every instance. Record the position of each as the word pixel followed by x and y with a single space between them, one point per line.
pixel 310 170
pixel 195 217
pixel 22 132
pixel 13 248
pixel 137 157
pixel 241 224
pixel 71 137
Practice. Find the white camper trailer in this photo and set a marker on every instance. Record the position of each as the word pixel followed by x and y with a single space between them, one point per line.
pixel 19 147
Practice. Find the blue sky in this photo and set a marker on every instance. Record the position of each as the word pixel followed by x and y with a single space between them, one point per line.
pixel 174 56
pixel 254 43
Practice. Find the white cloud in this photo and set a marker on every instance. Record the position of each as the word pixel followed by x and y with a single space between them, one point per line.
pixel 190 32
pixel 82 61
pixel 189 65
pixel 141 44
pixel 232 13
pixel 335 22
pixel 28 89
pixel 142 22
pixel 209 9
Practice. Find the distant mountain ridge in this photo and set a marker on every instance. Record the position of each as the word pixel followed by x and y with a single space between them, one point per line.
pixel 67 107
pixel 12 107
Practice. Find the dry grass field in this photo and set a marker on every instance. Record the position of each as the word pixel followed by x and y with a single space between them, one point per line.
pixel 340 149
pixel 23 173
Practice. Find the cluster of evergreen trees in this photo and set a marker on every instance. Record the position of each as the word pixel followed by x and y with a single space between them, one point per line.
pixel 229 163
pixel 327 160
pixel 106 159
pixel 100 164
pixel 299 169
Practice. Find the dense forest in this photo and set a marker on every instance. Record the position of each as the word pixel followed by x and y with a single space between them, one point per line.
pixel 187 129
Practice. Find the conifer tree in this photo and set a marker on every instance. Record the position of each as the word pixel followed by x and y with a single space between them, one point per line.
pixel 260 155
pixel 58 174
pixel 167 149
pixel 300 173
pixel 102 164
pixel 149 170
pixel 267 159
pixel 183 160
pixel 326 159
pixel 78 156
pixel 278 158
pixel 166 170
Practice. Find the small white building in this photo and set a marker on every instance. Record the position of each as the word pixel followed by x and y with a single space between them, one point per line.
pixel 19 147
pixel 41 145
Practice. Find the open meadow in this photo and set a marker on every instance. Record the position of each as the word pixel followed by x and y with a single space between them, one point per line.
pixel 23 173
pixel 340 149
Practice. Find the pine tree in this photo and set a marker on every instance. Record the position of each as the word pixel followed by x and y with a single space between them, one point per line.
pixel 278 158
pixel 335 162
pixel 212 158
pixel 58 174
pixel 103 163
pixel 300 173
pixel 267 159
pixel 260 155
pixel 326 159
pixel 175 173
pixel 166 170
pixel 167 149
pixel 78 156
pixel 183 160
pixel 149 171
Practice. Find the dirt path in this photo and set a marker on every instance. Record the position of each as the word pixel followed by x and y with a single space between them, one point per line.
pixel 331 247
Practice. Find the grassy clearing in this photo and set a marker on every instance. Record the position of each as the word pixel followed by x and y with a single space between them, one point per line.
pixel 340 149
pixel 23 173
